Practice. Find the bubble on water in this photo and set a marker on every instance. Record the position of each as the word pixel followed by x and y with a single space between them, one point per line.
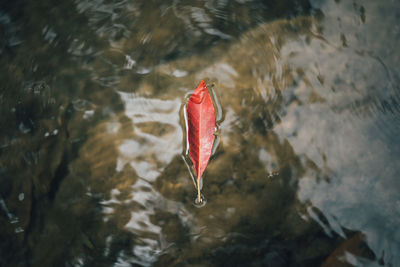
pixel 202 203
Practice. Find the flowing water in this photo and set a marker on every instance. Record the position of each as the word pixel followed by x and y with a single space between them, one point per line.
pixel 93 163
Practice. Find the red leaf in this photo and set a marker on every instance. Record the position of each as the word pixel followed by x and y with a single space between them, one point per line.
pixel 201 127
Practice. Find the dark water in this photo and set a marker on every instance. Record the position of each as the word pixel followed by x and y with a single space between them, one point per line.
pixel 92 140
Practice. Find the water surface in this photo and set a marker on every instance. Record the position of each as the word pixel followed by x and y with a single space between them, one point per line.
pixel 92 144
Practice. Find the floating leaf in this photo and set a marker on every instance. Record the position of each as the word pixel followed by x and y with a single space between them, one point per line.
pixel 201 127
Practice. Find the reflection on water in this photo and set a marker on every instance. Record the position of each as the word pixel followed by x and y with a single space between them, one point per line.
pixel 156 135
pixel 305 171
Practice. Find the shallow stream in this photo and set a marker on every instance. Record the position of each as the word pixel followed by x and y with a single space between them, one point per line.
pixel 93 164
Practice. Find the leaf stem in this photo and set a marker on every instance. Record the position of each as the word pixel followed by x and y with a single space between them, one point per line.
pixel 198 191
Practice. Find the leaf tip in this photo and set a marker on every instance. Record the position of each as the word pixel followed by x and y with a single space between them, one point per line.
pixel 199 93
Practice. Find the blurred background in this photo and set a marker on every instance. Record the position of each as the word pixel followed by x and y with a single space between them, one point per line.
pixel 93 164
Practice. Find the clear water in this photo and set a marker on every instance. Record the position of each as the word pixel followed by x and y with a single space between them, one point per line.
pixel 92 133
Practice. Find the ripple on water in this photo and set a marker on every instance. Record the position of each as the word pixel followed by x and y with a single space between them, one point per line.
pixel 156 146
pixel 347 124
pixel 307 99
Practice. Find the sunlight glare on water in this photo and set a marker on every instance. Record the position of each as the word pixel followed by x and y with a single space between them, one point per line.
pixel 157 132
